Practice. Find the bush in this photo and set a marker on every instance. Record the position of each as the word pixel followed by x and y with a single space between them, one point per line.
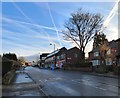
pixel 101 69
pixel 78 65
pixel 6 66
pixel 84 64
pixel 116 70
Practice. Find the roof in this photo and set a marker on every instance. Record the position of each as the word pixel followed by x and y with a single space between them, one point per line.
pixel 55 52
pixel 73 48
pixel 95 50
pixel 44 55
pixel 118 39
pixel 113 44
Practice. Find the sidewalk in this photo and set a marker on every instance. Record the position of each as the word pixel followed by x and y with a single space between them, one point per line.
pixel 22 85
pixel 110 74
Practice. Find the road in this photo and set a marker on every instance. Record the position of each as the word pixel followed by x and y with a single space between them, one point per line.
pixel 72 83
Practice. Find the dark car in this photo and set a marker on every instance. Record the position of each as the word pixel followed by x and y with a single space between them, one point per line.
pixel 35 66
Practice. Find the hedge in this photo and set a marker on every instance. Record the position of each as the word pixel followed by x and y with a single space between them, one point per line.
pixel 116 70
pixel 6 67
pixel 101 69
pixel 78 65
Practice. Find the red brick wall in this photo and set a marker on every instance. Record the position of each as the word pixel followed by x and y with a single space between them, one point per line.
pixel 71 55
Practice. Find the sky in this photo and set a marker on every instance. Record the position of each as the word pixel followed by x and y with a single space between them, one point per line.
pixel 29 27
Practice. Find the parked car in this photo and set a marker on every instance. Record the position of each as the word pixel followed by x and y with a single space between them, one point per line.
pixel 35 65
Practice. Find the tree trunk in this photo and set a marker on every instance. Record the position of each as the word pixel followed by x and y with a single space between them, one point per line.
pixel 82 56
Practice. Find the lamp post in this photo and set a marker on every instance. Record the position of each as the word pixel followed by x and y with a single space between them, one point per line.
pixel 54 53
pixel 54 45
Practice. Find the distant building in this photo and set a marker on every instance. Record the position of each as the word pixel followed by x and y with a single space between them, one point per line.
pixel 42 59
pixel 104 54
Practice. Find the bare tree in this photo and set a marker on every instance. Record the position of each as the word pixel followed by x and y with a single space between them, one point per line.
pixel 21 60
pixel 81 28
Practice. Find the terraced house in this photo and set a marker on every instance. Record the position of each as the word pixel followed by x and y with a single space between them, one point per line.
pixel 61 56
pixel 56 58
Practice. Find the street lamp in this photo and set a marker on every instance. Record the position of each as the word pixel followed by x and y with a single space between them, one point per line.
pixel 54 45
pixel 54 53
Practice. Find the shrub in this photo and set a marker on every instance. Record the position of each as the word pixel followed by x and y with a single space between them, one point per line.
pixel 84 64
pixel 116 70
pixel 78 65
pixel 6 66
pixel 101 69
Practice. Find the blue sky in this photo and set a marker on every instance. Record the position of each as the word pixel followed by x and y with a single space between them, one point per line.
pixel 29 27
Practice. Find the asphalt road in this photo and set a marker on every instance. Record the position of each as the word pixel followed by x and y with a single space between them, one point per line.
pixel 73 83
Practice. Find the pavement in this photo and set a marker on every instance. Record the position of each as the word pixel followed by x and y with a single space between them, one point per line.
pixel 22 85
pixel 110 74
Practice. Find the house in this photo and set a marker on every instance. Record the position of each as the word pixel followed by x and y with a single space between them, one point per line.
pixel 70 56
pixel 118 52
pixel 73 55
pixel 111 53
pixel 42 59
pixel 61 56
pixel 104 54
pixel 94 56
pixel 56 58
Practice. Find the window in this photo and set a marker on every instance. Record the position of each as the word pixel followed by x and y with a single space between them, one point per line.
pixel 96 53
pixel 109 51
pixel 108 61
pixel 96 62
pixel 76 55
pixel 43 58
pixel 62 56
pixel 58 57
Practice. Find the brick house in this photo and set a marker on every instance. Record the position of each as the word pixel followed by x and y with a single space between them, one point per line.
pixel 118 53
pixel 73 55
pixel 104 54
pixel 111 53
pixel 61 56
pixel 56 58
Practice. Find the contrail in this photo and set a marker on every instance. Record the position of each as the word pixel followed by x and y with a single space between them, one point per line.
pixel 22 12
pixel 28 23
pixel 110 16
pixel 35 25
pixel 31 20
pixel 54 24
